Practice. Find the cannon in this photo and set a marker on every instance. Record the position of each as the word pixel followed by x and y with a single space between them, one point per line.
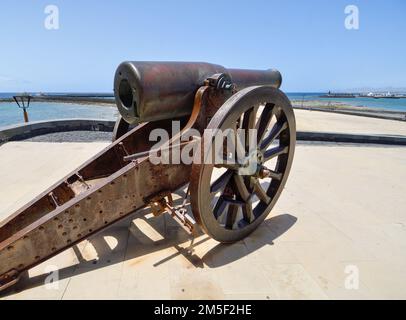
pixel 229 192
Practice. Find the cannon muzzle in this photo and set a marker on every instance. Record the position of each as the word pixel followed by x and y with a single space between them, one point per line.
pixel 151 91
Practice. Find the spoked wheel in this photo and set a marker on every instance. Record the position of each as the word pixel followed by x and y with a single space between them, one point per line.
pixel 230 199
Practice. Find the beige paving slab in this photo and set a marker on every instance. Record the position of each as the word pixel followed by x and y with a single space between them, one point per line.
pixel 331 276
pixel 292 281
pixel 257 296
pixel 262 243
pixel 143 277
pixel 185 285
pixel 238 277
pixel 39 164
pixel 342 205
pixel 333 122
pixel 384 279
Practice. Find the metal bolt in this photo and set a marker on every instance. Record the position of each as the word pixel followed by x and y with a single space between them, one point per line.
pixel 264 173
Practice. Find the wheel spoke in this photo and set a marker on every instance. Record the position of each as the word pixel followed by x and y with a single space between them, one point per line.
pixel 264 121
pixel 275 132
pixel 237 147
pixel 260 192
pixel 231 166
pixel 231 216
pixel 250 118
pixel 219 207
pixel 242 188
pixel 274 175
pixel 249 121
pixel 221 182
pixel 247 212
pixel 274 152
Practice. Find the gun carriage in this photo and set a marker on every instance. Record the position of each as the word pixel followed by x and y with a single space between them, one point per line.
pixel 228 200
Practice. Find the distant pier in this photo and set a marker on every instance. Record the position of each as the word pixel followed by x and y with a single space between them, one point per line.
pixel 338 95
pixel 373 95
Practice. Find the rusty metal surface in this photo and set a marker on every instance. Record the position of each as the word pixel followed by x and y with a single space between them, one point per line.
pixel 103 190
pixel 149 91
pixel 243 78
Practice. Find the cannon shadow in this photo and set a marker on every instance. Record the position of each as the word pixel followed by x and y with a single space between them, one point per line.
pixel 132 242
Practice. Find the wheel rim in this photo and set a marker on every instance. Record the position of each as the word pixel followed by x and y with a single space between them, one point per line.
pixel 229 205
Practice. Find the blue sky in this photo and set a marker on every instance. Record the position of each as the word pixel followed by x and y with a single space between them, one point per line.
pixel 305 40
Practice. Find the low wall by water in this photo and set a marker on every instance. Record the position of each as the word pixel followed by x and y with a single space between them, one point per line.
pixel 32 129
pixel 350 138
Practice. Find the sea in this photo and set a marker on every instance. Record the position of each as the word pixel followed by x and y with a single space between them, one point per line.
pixel 384 104
pixel 10 114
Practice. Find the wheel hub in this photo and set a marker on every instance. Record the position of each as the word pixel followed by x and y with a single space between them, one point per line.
pixel 251 164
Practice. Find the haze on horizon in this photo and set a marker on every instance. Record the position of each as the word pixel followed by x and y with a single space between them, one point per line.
pixel 306 41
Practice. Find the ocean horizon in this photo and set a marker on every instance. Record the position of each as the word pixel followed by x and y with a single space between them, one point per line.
pixel 10 114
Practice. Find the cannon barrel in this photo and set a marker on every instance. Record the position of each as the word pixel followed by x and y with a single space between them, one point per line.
pixel 150 91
